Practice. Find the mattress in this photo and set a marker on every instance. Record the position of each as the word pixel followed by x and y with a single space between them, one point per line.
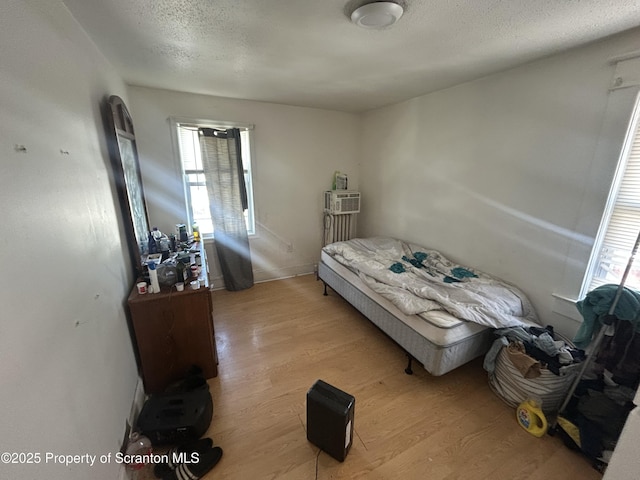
pixel 440 342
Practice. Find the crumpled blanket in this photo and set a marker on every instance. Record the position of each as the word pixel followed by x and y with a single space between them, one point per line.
pixel 597 303
pixel 418 280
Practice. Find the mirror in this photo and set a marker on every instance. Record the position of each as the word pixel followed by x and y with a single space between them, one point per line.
pixel 126 167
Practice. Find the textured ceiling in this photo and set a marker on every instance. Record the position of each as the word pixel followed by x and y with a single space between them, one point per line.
pixel 308 53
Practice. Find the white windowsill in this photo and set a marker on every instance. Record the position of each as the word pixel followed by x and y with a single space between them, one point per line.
pixel 566 307
pixel 210 239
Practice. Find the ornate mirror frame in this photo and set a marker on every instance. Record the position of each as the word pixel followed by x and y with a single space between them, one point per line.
pixel 126 167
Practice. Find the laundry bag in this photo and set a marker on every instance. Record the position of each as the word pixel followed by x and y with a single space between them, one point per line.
pixel 513 388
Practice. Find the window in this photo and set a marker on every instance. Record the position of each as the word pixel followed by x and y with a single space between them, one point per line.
pixel 621 220
pixel 194 181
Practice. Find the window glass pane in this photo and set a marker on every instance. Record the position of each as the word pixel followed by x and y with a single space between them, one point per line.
pixel 196 179
pixel 200 208
pixel 188 151
pixel 245 147
pixel 611 266
pixel 246 150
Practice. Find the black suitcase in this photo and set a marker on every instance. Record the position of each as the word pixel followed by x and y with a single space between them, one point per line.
pixel 330 414
pixel 175 418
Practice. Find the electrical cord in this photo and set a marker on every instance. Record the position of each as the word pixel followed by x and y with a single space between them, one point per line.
pixel 319 449
pixel 318 455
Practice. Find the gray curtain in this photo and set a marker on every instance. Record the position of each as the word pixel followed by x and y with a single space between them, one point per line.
pixel 224 176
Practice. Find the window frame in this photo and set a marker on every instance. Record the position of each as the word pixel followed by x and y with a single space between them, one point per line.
pixel 632 136
pixel 176 123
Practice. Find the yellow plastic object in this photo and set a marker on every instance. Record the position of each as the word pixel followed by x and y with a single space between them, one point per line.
pixel 196 232
pixel 570 429
pixel 530 417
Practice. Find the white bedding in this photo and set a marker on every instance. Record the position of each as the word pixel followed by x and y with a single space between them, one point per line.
pixel 418 280
pixel 438 349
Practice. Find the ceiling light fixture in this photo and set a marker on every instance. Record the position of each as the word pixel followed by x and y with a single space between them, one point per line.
pixel 377 14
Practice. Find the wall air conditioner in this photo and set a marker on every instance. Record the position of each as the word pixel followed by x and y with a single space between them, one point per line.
pixel 339 202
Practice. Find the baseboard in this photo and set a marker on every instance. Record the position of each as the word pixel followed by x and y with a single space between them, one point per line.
pixel 137 403
pixel 266 275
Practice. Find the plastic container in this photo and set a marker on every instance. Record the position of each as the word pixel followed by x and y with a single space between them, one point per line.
pixel 181 230
pixel 167 275
pixel 137 448
pixel 530 417
pixel 142 287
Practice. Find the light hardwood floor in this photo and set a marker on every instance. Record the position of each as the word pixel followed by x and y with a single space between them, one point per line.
pixel 277 338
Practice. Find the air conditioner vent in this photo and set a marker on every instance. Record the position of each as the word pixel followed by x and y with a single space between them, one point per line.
pixel 339 202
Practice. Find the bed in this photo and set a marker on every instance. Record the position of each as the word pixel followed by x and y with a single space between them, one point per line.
pixel 439 337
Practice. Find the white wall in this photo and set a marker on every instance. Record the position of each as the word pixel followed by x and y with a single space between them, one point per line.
pixel 67 369
pixel 296 150
pixel 498 173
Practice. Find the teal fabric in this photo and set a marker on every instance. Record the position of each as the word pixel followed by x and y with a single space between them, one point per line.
pixel 597 303
pixel 460 272
pixel 420 256
pixel 457 273
pixel 416 261
pixel 413 261
pixel 397 268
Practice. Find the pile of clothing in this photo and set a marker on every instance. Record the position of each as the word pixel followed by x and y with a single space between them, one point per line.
pixel 596 413
pixel 595 416
pixel 526 362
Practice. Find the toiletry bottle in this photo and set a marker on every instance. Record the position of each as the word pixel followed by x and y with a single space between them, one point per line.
pixel 182 271
pixel 153 277
pixel 153 248
pixel 196 232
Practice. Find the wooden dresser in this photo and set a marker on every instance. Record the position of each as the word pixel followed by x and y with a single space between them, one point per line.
pixel 173 331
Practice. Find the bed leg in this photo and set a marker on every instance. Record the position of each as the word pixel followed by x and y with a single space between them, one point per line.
pixel 409 370
pixel 325 289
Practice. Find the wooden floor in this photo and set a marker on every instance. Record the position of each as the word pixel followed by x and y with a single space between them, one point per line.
pixel 277 338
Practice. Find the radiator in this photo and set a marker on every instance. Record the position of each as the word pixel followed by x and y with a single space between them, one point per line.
pixel 338 228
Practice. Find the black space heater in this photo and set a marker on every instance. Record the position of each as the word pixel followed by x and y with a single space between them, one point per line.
pixel 330 419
